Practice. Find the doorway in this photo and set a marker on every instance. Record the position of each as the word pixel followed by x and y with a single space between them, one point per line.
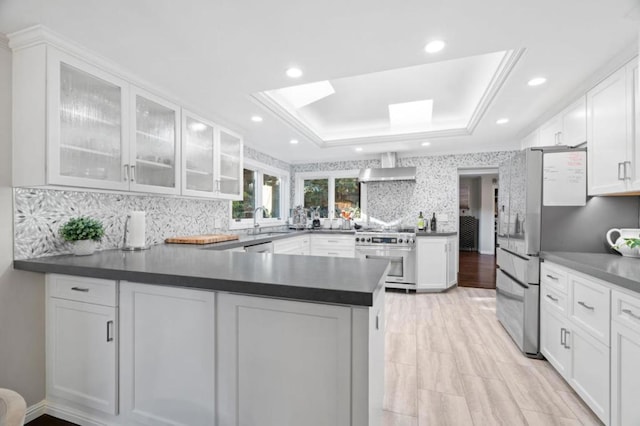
pixel 477 226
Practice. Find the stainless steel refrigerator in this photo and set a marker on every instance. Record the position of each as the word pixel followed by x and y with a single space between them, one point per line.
pixel 526 227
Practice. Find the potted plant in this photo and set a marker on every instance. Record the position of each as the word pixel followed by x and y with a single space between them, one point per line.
pixel 82 232
pixel 633 244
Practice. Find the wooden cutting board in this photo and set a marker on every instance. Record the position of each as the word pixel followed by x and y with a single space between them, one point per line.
pixel 201 239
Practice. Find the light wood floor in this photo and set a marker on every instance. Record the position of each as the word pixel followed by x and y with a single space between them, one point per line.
pixel 450 362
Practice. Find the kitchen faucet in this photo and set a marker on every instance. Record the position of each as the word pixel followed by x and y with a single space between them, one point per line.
pixel 256 225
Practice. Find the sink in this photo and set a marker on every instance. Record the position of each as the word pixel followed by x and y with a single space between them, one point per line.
pixel 271 234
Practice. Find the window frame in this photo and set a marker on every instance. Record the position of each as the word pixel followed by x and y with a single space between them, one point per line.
pixel 331 175
pixel 261 169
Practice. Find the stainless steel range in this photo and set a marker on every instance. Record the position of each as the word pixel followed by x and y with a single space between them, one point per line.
pixel 396 247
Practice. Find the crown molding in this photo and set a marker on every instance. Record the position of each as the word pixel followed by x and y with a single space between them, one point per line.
pixel 501 74
pixel 4 41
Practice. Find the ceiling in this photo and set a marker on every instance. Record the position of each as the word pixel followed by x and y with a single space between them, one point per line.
pixel 213 55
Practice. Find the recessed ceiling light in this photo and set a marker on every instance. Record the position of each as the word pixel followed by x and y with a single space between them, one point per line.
pixel 502 121
pixel 426 143
pixel 537 81
pixel 256 119
pixel 294 72
pixel 359 149
pixel 434 46
pixel 293 141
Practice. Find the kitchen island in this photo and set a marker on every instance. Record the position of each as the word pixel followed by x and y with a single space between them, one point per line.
pixel 183 335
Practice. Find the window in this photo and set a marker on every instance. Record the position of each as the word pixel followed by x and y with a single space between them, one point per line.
pixel 330 192
pixel 264 187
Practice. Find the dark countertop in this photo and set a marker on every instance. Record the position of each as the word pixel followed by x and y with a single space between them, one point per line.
pixel 435 234
pixel 618 270
pixel 310 278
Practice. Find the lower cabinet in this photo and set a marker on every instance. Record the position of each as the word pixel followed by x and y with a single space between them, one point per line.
pixel 436 263
pixel 294 245
pixel 553 329
pixel 82 348
pixel 167 355
pixel 333 245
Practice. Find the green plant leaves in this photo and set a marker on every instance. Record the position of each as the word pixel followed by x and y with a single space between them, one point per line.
pixel 82 228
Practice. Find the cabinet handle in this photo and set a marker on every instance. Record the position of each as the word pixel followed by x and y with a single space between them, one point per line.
pixel 559 138
pixel 552 298
pixel 378 322
pixel 126 172
pixel 333 253
pixel 627 175
pixel 620 171
pixel 82 289
pixel 566 333
pixel 584 305
pixel 109 331
pixel 562 336
pixel 133 173
pixel 218 185
pixel 552 277
pixel 631 314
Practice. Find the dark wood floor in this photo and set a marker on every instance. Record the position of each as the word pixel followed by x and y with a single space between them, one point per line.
pixel 47 420
pixel 477 270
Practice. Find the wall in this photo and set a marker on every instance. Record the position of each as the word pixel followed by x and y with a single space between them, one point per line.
pixel 22 363
pixel 435 188
pixel 486 236
pixel 39 213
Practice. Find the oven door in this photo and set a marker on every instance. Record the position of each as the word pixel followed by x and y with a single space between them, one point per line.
pixel 401 262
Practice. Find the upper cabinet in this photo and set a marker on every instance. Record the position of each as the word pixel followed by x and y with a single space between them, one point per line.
pixel 78 122
pixel 569 127
pixel 613 146
pixel 212 159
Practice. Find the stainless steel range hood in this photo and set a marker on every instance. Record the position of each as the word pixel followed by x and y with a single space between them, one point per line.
pixel 388 171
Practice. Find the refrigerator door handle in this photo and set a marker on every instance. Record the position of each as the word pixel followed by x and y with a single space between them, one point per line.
pixel 514 254
pixel 514 279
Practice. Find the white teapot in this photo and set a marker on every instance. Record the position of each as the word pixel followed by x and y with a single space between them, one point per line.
pixel 620 245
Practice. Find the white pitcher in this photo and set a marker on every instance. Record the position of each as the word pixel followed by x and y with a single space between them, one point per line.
pixel 622 248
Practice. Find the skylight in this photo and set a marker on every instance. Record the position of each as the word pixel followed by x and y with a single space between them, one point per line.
pixel 303 94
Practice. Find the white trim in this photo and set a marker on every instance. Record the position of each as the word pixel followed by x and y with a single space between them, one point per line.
pixel 73 415
pixel 36 410
pixel 486 252
pixel 331 175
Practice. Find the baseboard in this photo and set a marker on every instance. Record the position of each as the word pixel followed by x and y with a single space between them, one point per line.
pixel 36 410
pixel 71 415
pixel 487 252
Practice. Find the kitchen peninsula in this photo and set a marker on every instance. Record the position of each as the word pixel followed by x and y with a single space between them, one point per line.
pixel 241 338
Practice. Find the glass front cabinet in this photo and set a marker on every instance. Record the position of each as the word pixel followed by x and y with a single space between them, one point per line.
pixel 211 159
pixel 82 124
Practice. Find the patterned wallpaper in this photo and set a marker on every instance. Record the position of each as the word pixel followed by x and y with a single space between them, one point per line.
pixel 39 213
pixel 435 188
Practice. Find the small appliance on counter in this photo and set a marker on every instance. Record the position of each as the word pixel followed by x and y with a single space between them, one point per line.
pixel 299 218
pixel 315 218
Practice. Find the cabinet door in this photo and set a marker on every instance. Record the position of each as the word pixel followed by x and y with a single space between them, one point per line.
pixel 607 134
pixel 574 123
pixel 531 140
pixel 82 354
pixel 553 346
pixel 633 166
pixel 550 132
pixel 589 371
pixel 452 269
pixel 87 116
pixel 198 144
pixel 431 261
pixel 155 153
pixel 230 160
pixel 283 362
pixel 167 357
pixel 625 375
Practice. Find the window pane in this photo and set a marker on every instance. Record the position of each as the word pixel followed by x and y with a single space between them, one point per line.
pixel 347 196
pixel 316 194
pixel 244 209
pixel 271 196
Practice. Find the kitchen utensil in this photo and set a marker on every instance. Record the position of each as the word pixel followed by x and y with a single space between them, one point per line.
pixel 202 239
pixel 620 245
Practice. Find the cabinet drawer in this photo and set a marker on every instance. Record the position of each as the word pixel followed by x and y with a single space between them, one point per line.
pixel 82 289
pixel 553 275
pixel 333 241
pixel 626 310
pixel 554 299
pixel 590 306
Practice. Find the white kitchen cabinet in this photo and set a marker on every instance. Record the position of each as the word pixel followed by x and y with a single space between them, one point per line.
pixel 81 121
pixel 569 127
pixel 333 245
pixel 167 355
pixel 435 263
pixel 82 343
pixel 625 375
pixel 531 140
pixel 293 245
pixel 553 328
pixel 154 143
pixel 611 143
